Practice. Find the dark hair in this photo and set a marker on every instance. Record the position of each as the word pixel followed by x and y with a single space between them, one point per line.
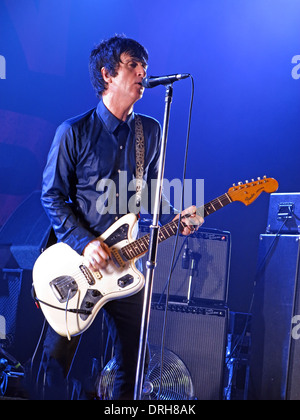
pixel 107 54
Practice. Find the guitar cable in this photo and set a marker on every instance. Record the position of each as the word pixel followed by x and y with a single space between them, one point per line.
pixel 74 311
pixel 66 315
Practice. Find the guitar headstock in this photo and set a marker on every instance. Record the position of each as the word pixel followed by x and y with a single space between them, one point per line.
pixel 249 191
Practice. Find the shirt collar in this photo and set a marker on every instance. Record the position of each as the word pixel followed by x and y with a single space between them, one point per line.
pixel 112 122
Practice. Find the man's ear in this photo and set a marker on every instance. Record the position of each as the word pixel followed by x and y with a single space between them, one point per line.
pixel 106 75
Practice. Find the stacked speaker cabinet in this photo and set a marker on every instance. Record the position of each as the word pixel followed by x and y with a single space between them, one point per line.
pixel 200 269
pixel 22 239
pixel 197 334
pixel 275 366
pixel 193 322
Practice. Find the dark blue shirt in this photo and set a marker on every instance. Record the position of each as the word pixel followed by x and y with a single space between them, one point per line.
pixel 90 165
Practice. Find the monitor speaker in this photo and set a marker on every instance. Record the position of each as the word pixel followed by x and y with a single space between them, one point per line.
pixel 201 265
pixel 275 355
pixel 198 336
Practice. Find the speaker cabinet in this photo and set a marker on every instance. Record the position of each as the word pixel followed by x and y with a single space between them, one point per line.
pixel 275 367
pixel 284 207
pixel 201 265
pixel 198 335
pixel 10 289
pixel 24 234
pixel 22 238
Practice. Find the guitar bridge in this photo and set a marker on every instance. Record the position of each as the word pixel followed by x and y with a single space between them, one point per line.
pixel 64 288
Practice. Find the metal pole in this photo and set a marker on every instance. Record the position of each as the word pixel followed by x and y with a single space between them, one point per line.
pixel 151 262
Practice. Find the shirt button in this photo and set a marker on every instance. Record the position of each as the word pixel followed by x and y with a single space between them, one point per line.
pixel 116 218
pixel 121 147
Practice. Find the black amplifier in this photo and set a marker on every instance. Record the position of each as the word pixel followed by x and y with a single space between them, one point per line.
pixel 284 213
pixel 201 265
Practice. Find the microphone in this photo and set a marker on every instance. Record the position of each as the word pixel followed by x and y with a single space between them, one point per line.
pixel 185 259
pixel 152 81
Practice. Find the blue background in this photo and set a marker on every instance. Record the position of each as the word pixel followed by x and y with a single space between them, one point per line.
pixel 245 121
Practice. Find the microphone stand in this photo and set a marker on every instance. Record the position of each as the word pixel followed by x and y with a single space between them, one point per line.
pixel 191 275
pixel 153 242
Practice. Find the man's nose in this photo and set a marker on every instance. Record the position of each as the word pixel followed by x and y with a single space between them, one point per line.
pixel 141 71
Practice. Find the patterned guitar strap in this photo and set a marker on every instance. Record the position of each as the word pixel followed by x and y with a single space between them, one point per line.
pixel 139 157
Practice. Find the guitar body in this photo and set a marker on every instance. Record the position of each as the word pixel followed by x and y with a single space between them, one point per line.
pixel 62 281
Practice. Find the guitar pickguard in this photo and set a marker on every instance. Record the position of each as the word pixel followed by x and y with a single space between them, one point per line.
pixel 90 299
pixel 92 296
pixel 118 235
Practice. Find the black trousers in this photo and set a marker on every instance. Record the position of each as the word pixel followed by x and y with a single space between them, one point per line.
pixel 123 318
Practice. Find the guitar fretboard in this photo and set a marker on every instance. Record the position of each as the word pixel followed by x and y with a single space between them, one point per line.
pixel 141 245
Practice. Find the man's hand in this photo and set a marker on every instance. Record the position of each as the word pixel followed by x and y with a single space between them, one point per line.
pixel 97 254
pixel 192 223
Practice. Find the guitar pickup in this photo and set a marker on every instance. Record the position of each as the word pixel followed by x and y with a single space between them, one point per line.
pixel 117 258
pixel 87 274
pixel 125 281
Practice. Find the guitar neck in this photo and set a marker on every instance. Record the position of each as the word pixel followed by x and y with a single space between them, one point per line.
pixel 140 246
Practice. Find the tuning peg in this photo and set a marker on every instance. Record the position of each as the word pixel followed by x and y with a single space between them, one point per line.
pixel 258 178
pixel 252 180
pixel 246 182
pixel 265 176
pixel 240 183
pixel 233 185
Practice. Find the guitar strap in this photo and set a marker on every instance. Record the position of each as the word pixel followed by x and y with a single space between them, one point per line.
pixel 139 157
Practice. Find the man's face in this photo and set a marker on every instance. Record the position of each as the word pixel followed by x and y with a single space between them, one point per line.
pixel 127 84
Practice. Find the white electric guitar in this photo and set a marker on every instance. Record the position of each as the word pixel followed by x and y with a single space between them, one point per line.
pixel 70 295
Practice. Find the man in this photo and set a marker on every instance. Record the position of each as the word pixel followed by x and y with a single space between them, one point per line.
pixel 97 145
